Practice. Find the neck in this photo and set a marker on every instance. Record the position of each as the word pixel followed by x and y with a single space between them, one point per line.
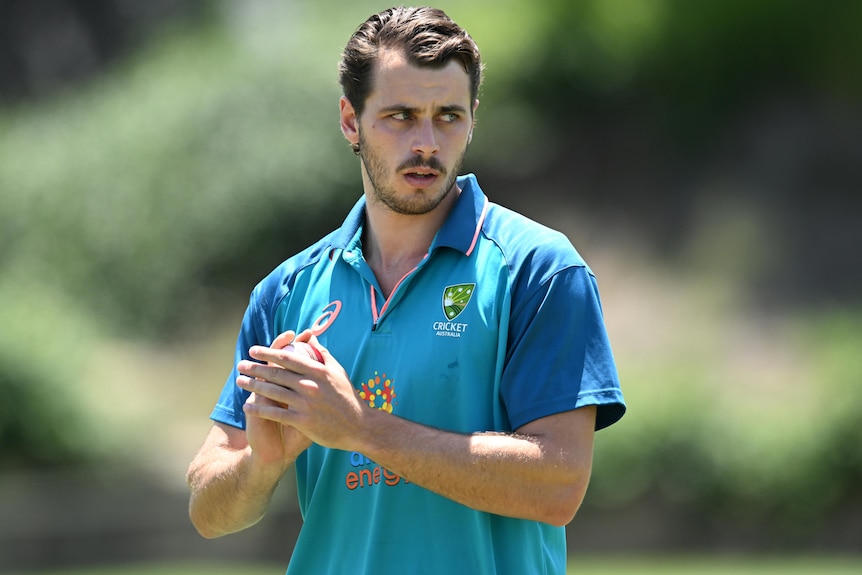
pixel 394 244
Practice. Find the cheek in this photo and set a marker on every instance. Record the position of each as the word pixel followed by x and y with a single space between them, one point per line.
pixel 385 137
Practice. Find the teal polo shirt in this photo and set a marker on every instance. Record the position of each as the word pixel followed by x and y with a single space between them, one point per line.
pixel 499 325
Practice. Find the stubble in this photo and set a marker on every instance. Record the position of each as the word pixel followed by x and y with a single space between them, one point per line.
pixel 420 201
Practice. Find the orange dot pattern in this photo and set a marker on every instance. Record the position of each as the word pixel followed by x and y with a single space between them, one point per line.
pixel 379 392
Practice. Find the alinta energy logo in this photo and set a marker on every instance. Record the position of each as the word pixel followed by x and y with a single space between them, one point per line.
pixel 379 392
pixel 455 299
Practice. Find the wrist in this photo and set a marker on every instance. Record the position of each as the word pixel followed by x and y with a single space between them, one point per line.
pixel 263 471
pixel 378 434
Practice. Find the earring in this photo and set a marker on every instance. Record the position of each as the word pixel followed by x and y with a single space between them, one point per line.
pixel 355 148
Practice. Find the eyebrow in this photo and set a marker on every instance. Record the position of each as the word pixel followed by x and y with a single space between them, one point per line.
pixel 412 110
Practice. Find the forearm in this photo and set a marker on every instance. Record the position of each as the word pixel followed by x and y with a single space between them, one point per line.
pixel 230 493
pixel 516 475
pixel 539 473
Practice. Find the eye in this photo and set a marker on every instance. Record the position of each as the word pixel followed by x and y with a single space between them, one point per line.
pixel 449 117
pixel 401 116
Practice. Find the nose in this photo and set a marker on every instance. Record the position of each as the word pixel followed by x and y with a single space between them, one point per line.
pixel 424 139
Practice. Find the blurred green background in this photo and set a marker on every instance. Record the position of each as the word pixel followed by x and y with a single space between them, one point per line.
pixel 157 159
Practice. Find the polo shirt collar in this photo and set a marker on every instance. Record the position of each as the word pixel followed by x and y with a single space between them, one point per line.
pixel 459 231
pixel 352 224
pixel 462 226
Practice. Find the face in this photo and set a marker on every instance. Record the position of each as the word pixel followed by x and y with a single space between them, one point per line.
pixel 413 133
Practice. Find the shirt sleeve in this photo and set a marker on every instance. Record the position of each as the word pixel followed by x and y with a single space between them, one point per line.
pixel 559 356
pixel 256 329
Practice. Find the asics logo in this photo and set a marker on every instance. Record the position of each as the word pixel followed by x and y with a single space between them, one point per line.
pixel 326 319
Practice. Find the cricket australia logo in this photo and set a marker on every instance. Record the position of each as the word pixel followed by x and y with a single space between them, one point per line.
pixel 455 299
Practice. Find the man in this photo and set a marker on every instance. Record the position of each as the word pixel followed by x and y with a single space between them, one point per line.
pixel 465 364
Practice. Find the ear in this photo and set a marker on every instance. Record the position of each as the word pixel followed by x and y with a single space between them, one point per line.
pixel 473 126
pixel 349 121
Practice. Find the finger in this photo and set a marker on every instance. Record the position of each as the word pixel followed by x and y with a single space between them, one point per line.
pixel 256 399
pixel 265 408
pixel 282 368
pixel 294 362
pixel 304 336
pixel 283 339
pixel 276 393
pixel 265 371
pixel 315 343
pixel 268 411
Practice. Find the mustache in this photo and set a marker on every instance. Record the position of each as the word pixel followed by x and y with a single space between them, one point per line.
pixel 431 163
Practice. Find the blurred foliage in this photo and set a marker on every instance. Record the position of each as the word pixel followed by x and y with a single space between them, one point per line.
pixel 135 205
pixel 695 61
pixel 778 449
pixel 653 111
pixel 185 170
pixel 44 342
pixel 178 175
pixel 582 565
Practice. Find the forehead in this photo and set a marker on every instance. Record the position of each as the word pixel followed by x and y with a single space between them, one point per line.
pixel 397 80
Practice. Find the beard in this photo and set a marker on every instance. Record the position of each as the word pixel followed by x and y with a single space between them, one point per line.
pixel 420 201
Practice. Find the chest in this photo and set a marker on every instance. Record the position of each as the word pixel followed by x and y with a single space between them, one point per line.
pixel 432 352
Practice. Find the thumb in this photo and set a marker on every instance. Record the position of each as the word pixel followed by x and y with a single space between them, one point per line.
pixel 284 339
pixel 315 343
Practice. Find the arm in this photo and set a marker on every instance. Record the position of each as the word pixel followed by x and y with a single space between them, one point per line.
pixel 233 476
pixel 540 472
pixel 231 487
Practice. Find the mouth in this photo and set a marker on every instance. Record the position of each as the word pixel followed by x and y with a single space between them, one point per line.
pixel 420 177
pixel 421 172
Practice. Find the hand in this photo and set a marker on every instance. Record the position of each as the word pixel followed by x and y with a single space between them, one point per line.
pixel 269 440
pixel 315 398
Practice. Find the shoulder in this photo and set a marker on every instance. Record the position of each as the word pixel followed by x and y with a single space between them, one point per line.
pixel 532 251
pixel 280 281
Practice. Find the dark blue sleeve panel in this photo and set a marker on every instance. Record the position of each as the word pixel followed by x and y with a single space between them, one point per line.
pixel 559 357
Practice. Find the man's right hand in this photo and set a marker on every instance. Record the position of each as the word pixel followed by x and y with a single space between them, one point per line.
pixel 272 442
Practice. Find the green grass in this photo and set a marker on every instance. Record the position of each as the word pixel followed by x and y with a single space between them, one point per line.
pixel 179 568
pixel 717 565
pixel 664 565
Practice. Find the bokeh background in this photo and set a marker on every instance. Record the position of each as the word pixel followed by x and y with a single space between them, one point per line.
pixel 158 158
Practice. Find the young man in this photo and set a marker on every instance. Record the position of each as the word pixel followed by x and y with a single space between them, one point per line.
pixel 465 364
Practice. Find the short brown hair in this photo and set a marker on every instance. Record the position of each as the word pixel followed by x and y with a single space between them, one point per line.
pixel 428 37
